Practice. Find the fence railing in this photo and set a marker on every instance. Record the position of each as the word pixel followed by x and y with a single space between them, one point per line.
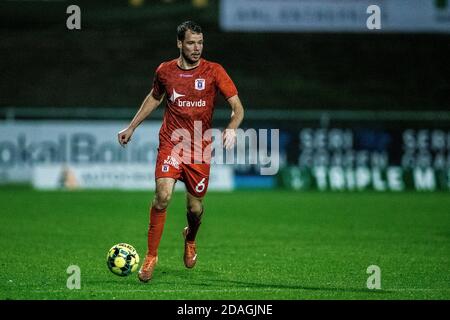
pixel 65 113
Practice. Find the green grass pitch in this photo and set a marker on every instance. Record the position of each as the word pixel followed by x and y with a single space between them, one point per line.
pixel 252 245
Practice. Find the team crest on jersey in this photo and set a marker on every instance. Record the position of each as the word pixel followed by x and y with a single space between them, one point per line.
pixel 170 161
pixel 199 84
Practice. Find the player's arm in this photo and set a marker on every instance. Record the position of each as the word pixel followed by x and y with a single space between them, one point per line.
pixel 150 103
pixel 237 115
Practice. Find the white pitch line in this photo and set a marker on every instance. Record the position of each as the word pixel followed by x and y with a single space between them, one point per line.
pixel 417 289
pixel 166 290
pixel 232 290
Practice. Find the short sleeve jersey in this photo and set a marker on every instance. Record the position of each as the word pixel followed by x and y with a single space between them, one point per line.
pixel 191 95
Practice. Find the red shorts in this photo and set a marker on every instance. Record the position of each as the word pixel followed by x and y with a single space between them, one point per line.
pixel 195 176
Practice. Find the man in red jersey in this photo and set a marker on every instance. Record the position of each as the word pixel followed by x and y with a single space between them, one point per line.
pixel 190 84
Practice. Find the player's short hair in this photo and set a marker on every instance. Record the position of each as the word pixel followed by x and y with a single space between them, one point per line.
pixel 187 25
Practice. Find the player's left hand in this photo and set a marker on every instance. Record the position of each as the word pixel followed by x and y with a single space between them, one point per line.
pixel 229 138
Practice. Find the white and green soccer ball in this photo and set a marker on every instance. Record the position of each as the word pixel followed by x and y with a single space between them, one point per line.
pixel 122 259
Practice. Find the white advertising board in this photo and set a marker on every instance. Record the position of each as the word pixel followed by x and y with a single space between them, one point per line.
pixel 26 144
pixel 334 16
pixel 116 176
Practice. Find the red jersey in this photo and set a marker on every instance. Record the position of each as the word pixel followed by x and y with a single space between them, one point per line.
pixel 191 95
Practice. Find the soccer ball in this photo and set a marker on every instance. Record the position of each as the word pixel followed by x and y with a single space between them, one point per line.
pixel 122 259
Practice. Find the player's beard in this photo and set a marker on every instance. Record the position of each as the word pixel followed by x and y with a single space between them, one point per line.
pixel 188 59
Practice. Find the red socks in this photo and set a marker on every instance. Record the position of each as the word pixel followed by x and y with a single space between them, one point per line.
pixel 155 230
pixel 156 227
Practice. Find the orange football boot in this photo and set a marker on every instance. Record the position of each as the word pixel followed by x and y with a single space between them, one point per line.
pixel 146 271
pixel 190 252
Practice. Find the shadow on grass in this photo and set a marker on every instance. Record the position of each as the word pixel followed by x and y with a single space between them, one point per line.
pixel 210 279
pixel 276 286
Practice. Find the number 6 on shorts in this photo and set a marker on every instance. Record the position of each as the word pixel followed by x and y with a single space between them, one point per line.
pixel 200 186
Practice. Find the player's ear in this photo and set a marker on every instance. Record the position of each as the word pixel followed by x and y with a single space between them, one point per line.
pixel 179 44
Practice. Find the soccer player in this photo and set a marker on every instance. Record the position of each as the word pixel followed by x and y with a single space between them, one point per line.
pixel 190 84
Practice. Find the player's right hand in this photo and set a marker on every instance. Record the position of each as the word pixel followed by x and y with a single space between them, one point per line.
pixel 124 136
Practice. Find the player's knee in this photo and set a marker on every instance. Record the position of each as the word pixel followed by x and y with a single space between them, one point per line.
pixel 195 208
pixel 161 200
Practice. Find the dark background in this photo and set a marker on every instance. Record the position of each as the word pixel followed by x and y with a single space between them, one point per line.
pixel 110 62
